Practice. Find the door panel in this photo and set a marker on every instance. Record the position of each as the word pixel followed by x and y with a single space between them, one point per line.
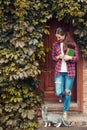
pixel 47 76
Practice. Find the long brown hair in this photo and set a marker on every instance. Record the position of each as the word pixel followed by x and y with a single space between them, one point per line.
pixel 68 42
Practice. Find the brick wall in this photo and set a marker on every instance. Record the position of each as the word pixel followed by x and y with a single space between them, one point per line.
pixel 84 86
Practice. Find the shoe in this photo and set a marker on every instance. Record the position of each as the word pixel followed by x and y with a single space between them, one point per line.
pixel 60 99
pixel 65 115
pixel 70 93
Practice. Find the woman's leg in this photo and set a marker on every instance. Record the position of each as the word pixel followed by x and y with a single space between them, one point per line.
pixel 59 85
pixel 68 89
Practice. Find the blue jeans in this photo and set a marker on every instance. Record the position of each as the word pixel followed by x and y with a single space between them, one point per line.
pixel 65 83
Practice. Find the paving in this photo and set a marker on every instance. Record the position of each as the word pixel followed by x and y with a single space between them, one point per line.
pixel 78 120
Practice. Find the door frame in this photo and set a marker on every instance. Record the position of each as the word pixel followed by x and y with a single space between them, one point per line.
pixel 80 84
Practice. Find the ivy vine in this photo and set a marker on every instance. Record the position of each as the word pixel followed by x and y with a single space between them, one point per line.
pixel 22 26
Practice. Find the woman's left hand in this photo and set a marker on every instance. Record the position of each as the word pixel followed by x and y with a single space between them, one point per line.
pixel 66 57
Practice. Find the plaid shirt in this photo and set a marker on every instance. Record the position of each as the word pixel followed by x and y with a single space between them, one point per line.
pixel 56 50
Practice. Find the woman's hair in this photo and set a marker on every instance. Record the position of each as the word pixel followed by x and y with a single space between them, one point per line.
pixel 60 31
pixel 68 41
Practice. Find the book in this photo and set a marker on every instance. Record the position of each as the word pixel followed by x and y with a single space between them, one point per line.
pixel 70 52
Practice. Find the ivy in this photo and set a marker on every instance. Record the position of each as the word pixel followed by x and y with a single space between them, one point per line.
pixel 18 108
pixel 22 27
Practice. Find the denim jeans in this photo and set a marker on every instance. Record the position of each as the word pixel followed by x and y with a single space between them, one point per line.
pixel 65 83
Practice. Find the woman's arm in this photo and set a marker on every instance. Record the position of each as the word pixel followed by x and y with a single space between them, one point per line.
pixel 56 52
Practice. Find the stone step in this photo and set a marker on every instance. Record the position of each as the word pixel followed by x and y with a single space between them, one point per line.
pixel 54 106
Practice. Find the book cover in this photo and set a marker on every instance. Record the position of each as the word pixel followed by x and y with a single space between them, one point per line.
pixel 70 52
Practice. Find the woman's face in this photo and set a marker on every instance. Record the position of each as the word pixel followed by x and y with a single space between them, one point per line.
pixel 60 37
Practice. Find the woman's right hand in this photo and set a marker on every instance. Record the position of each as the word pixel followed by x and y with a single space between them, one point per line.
pixel 67 58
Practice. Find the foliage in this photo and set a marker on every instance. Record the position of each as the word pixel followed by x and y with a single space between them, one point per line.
pixel 18 107
pixel 22 26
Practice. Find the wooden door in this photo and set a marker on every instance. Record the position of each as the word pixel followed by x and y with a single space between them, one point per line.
pixel 47 75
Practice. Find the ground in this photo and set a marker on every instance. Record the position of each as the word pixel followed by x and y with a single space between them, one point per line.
pixel 78 120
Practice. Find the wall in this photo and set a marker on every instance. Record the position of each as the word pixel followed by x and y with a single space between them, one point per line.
pixel 84 86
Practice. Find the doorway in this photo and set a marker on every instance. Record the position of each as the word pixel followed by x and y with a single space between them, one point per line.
pixel 47 75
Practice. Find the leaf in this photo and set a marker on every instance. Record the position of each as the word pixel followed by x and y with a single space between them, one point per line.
pixel 4 96
pixel 31 114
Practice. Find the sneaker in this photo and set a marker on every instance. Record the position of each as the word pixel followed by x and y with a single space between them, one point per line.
pixel 70 93
pixel 60 99
pixel 65 115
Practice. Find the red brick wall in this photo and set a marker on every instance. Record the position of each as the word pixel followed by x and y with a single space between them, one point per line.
pixel 84 86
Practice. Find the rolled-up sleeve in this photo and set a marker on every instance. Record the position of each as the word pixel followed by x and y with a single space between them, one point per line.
pixel 55 51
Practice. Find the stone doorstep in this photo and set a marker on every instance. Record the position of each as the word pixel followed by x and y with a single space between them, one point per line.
pixel 57 106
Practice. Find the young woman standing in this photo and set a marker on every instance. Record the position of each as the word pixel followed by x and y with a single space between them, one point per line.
pixel 65 66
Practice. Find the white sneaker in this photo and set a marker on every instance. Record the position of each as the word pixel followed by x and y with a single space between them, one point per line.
pixel 60 99
pixel 65 115
pixel 70 93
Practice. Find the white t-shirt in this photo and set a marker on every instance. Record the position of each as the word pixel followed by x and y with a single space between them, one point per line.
pixel 63 64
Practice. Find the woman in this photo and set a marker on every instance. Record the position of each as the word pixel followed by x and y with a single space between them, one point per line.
pixel 65 66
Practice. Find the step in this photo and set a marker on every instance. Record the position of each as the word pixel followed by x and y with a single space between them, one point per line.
pixel 58 106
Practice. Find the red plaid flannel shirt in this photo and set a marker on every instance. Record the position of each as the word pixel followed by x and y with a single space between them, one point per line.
pixel 71 64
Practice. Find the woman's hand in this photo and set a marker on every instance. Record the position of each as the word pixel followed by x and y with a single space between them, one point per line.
pixel 66 57
pixel 60 56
